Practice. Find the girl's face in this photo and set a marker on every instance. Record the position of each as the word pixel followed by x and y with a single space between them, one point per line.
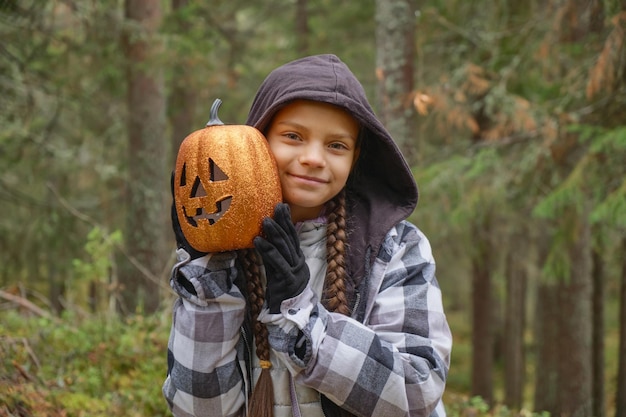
pixel 315 147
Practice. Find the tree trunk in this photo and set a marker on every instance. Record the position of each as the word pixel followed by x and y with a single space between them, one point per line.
pixel 182 100
pixel 564 360
pixel 620 395
pixel 302 27
pixel 547 349
pixel 482 319
pixel 57 290
pixel 148 178
pixel 395 52
pixel 575 366
pixel 515 318
pixel 598 333
pixel 573 24
pixel 548 352
pixel 576 295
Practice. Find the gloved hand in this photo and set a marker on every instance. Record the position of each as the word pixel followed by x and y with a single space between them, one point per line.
pixel 181 241
pixel 285 268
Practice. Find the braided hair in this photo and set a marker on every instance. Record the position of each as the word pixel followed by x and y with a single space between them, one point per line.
pixel 334 299
pixel 334 295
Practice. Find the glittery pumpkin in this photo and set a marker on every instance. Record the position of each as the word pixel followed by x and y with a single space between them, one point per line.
pixel 225 183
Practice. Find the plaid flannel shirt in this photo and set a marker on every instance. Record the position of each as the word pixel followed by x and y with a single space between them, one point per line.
pixel 394 363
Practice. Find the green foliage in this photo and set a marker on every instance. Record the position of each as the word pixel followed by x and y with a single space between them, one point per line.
pixel 612 210
pixel 609 147
pixel 557 266
pixel 63 156
pixel 477 407
pixel 566 198
pixel 83 367
pixel 99 248
pixel 597 179
pixel 92 277
pixel 109 367
pixel 62 105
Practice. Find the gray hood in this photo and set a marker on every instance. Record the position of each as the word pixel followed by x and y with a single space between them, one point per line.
pixel 381 191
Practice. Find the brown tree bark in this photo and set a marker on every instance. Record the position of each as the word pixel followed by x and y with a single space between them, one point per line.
pixel 548 352
pixel 302 27
pixel 575 328
pixel 395 53
pixel 515 323
pixel 569 392
pixel 547 348
pixel 148 153
pixel 598 333
pixel 182 100
pixel 564 316
pixel 581 318
pixel 620 395
pixel 482 312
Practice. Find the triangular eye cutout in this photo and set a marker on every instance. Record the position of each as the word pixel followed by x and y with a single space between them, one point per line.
pixel 197 190
pixel 216 173
pixel 183 175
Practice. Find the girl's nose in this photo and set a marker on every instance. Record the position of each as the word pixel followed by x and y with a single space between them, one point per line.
pixel 312 154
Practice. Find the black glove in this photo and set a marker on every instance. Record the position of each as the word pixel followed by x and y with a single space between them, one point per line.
pixel 181 241
pixel 285 268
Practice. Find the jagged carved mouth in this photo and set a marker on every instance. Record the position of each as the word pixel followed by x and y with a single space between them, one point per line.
pixel 221 206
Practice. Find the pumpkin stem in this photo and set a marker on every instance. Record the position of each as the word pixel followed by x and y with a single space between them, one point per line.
pixel 214 120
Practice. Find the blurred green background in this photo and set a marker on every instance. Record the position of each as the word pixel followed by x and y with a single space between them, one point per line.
pixel 512 115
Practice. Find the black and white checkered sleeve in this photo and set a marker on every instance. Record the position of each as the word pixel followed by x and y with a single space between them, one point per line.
pixel 396 362
pixel 204 376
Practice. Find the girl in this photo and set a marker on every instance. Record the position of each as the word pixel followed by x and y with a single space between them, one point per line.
pixel 337 311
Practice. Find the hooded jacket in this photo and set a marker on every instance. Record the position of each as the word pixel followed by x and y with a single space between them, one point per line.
pixel 381 191
pixel 390 357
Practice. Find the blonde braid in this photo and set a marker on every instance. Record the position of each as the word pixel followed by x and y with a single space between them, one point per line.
pixel 262 400
pixel 334 297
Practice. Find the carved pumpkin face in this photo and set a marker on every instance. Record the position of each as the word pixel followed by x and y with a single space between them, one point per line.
pixel 225 183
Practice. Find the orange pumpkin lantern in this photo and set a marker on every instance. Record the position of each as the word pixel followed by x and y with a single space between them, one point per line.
pixel 225 183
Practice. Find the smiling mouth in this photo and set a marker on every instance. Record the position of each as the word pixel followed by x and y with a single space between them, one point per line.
pixel 311 179
pixel 221 206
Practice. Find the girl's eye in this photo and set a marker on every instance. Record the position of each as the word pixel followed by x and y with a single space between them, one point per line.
pixel 292 136
pixel 338 146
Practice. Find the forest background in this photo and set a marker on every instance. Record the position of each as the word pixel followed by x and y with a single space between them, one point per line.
pixel 512 114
